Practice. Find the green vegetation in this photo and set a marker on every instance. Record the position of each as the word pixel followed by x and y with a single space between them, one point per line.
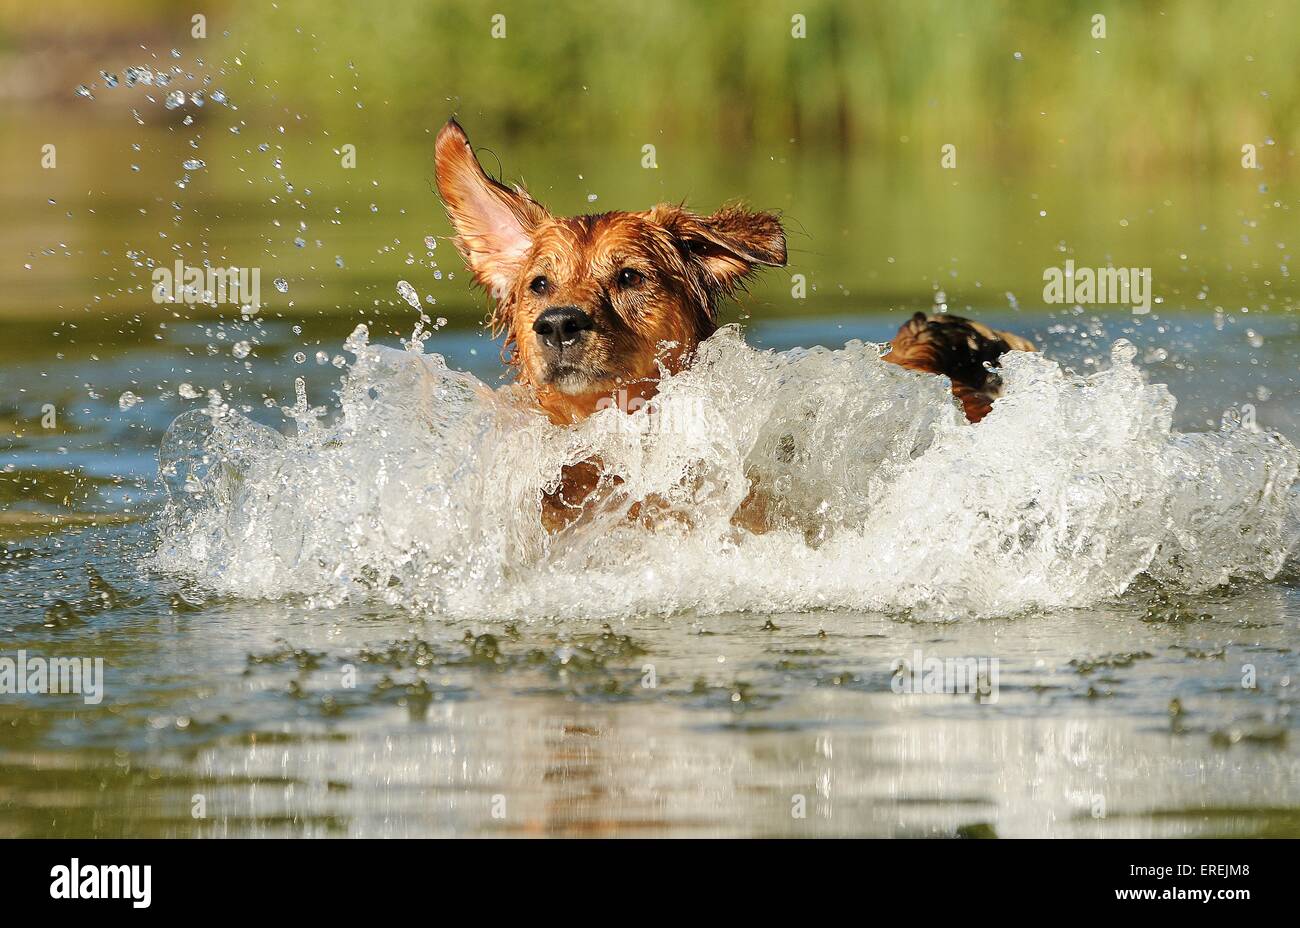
pixel 1123 150
pixel 1179 84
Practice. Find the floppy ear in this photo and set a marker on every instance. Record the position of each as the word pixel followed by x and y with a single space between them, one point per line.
pixel 729 245
pixel 494 224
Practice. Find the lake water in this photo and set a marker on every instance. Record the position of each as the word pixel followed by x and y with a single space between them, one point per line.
pixel 280 676
pixel 286 717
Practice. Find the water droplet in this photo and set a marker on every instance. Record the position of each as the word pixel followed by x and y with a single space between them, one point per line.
pixel 127 400
pixel 192 164
pixel 1123 351
pixel 188 391
pixel 359 338
pixel 282 285
pixel 407 292
pixel 241 349
pixel 137 75
pixel 299 357
pixel 174 99
pixel 84 91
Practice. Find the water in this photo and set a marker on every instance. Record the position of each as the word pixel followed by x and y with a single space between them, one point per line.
pixel 348 623
pixel 426 493
pixel 289 700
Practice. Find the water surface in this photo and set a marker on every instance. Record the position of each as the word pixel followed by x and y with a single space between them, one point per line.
pixel 1126 718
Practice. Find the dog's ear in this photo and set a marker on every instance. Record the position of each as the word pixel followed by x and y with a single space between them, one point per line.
pixel 494 224
pixel 729 245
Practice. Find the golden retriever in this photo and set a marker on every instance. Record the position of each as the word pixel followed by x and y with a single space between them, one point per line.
pixel 594 306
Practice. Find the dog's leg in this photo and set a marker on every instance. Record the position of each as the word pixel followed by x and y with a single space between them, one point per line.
pixel 959 349
pixel 574 497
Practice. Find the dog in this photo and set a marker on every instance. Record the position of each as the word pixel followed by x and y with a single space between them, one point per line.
pixel 598 305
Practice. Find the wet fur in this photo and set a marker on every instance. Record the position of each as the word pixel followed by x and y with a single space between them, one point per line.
pixel 961 350
pixel 650 283
pixel 689 263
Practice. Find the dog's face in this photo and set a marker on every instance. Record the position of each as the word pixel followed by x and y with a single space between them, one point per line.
pixel 591 305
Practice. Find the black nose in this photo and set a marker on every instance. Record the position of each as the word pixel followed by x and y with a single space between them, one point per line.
pixel 561 325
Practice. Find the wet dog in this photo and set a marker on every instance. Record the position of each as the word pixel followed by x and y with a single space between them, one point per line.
pixel 596 306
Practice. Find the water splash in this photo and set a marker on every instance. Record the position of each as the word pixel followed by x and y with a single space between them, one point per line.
pixel 424 492
pixel 407 293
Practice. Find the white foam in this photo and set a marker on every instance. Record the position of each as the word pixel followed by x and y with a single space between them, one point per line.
pixel 425 493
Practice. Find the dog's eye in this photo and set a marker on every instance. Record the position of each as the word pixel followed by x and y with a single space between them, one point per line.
pixel 539 284
pixel 629 277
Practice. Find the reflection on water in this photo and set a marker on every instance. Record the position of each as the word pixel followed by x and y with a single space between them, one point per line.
pixel 273 719
pixel 1125 720
pixel 860 231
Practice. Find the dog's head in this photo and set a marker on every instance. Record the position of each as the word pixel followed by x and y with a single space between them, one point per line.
pixel 591 305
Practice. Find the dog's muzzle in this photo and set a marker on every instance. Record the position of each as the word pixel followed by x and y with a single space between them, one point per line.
pixel 561 326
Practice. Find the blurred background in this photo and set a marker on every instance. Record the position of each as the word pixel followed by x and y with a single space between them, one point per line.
pixel 1125 149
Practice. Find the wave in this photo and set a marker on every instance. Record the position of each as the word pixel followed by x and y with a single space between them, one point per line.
pixel 424 492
